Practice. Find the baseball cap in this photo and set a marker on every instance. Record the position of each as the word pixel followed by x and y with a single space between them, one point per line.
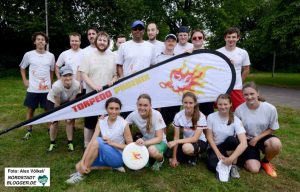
pixel 67 69
pixel 171 36
pixel 136 23
pixel 183 29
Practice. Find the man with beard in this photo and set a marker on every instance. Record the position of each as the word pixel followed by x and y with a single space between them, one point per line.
pixel 152 32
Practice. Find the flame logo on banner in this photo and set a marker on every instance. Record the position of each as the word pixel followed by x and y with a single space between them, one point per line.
pixel 183 79
pixel 136 155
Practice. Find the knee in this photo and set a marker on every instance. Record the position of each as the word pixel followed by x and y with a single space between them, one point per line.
pixel 153 152
pixel 252 166
pixel 273 144
pixel 188 149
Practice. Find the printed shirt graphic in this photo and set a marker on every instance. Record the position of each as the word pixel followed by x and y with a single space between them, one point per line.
pixel 39 70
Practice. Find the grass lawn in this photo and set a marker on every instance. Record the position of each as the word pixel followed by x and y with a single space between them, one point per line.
pixel 15 152
pixel 287 80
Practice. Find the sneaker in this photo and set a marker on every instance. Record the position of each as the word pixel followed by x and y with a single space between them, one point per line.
pixel 193 161
pixel 157 165
pixel 27 136
pixel 270 170
pixel 75 178
pixel 234 172
pixel 120 169
pixel 70 147
pixel 51 147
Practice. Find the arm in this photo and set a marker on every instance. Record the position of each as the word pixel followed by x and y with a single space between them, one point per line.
pixel 210 139
pixel 157 139
pixel 57 101
pixel 24 78
pixel 193 139
pixel 239 150
pixel 266 132
pixel 57 71
pixel 51 75
pixel 245 72
pixel 90 82
pixel 120 71
pixel 174 161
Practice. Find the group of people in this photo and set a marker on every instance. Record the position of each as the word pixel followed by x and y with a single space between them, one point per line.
pixel 237 132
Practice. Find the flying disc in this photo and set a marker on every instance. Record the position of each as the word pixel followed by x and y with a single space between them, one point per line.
pixel 135 156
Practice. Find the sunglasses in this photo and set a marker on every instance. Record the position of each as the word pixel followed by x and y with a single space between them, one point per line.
pixel 198 38
pixel 138 28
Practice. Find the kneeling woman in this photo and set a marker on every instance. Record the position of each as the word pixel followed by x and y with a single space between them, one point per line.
pixel 151 125
pixel 223 127
pixel 191 121
pixel 105 151
pixel 260 120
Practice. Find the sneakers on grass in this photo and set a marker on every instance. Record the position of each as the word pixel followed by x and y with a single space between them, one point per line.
pixel 70 147
pixel 193 161
pixel 27 136
pixel 120 169
pixel 270 170
pixel 51 147
pixel 234 172
pixel 157 165
pixel 75 178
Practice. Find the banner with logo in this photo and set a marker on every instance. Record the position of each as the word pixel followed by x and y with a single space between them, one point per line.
pixel 204 72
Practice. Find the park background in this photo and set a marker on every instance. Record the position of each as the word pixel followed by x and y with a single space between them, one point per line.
pixel 268 28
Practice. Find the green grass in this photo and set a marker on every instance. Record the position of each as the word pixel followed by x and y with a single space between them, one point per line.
pixel 15 152
pixel 287 80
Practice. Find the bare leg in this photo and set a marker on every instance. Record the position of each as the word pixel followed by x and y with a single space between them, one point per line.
pixel 88 134
pixel 154 153
pixel 272 148
pixel 252 165
pixel 84 166
pixel 69 129
pixel 53 131
pixel 29 115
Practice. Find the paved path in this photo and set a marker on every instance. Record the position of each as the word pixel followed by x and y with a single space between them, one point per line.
pixel 281 96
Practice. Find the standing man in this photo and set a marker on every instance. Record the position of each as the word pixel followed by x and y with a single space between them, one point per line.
pixel 41 69
pixel 72 57
pixel 241 62
pixel 168 52
pixel 152 32
pixel 119 40
pixel 136 54
pixel 183 45
pixel 91 35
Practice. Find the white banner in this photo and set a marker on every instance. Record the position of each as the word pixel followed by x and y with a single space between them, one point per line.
pixel 205 73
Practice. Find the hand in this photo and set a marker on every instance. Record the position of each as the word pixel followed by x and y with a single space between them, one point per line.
pixel 110 83
pixel 174 163
pixel 253 141
pixel 26 83
pixel 101 117
pixel 107 140
pixel 189 51
pixel 140 141
pixel 220 156
pixel 98 88
pixel 83 168
pixel 227 161
pixel 171 144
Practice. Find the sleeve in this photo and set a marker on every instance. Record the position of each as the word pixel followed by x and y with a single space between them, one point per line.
pixel 25 61
pixel 202 123
pixel 56 89
pixel 120 55
pixel 52 67
pixel 129 118
pixel 238 112
pixel 159 122
pixel 246 59
pixel 176 121
pixel 238 126
pixel 210 121
pixel 274 125
pixel 60 60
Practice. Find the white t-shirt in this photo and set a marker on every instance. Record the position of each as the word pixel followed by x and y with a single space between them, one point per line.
pixel 157 124
pixel 71 58
pixel 59 90
pixel 181 49
pixel 114 132
pixel 99 67
pixel 135 56
pixel 221 130
pixel 158 46
pixel 180 121
pixel 258 120
pixel 40 66
pixel 162 57
pixel 239 58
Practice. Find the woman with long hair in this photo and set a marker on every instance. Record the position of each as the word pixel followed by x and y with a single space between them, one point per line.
pixel 105 149
pixel 151 125
pixel 190 121
pixel 225 134
pixel 261 121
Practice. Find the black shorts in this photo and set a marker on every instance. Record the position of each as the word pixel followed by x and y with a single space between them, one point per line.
pixel 49 105
pixel 90 122
pixel 199 147
pixel 34 100
pixel 254 152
